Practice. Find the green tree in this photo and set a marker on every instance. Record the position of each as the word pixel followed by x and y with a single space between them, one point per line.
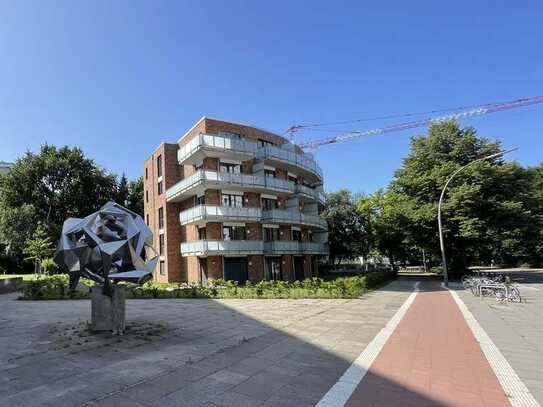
pixel 38 248
pixel 488 211
pixel 48 187
pixel 347 235
pixel 135 196
pixel 123 191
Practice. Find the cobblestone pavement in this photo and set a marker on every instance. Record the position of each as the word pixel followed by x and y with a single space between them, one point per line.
pixel 516 329
pixel 187 352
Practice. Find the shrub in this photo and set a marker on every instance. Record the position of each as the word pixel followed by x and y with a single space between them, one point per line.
pixel 56 287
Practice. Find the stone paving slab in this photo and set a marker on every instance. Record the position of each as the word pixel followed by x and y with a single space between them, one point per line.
pixel 187 352
pixel 516 329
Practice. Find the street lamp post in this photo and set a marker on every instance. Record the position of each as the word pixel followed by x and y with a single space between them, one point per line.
pixel 439 224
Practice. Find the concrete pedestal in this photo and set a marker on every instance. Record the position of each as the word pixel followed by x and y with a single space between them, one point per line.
pixel 108 313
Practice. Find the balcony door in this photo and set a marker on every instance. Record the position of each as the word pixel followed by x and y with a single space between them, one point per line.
pixel 273 268
pixel 298 268
pixel 202 264
pixel 235 269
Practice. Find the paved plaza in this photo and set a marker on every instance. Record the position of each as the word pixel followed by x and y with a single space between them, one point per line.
pixel 271 352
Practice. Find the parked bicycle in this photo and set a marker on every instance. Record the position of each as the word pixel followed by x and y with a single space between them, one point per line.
pixel 489 284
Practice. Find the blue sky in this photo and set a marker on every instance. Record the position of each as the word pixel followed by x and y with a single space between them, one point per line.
pixel 116 78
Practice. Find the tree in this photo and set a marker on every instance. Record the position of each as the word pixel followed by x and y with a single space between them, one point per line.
pixel 38 248
pixel 48 187
pixel 122 193
pixel 347 235
pixel 135 196
pixel 488 211
pixel 386 215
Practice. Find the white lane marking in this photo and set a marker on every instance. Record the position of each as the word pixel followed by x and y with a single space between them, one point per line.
pixel 514 388
pixel 342 390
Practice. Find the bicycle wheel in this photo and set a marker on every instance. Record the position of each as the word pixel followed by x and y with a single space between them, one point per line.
pixel 514 294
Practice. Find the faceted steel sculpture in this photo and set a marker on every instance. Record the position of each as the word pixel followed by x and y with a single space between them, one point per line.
pixel 106 247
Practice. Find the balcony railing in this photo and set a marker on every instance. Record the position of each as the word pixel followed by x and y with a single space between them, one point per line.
pixel 310 193
pixel 205 247
pixel 281 216
pixel 219 143
pixel 314 248
pixel 283 247
pixel 290 157
pixel 210 212
pixel 313 220
pixel 244 181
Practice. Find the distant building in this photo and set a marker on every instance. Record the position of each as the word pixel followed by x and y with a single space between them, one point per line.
pixel 235 202
pixel 4 167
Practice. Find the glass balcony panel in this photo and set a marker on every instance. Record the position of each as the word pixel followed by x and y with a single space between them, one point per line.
pixel 218 142
pixel 222 247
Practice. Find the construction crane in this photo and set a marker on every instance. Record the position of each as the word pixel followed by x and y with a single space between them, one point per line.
pixel 479 111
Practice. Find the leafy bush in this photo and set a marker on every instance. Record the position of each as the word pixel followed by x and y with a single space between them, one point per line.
pixel 52 288
pixel 56 287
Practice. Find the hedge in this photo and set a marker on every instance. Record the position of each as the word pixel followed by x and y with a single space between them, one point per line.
pixel 56 288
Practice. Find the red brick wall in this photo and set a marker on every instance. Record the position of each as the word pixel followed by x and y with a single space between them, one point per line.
pixel 255 265
pixel 284 232
pixel 214 267
pixel 211 164
pixel 287 267
pixel 214 231
pixel 213 197
pixel 307 266
pixel 251 199
pixel 254 231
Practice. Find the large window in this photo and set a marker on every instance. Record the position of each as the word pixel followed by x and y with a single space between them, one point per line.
pixel 201 200
pixel 230 134
pixel 159 166
pixel 230 168
pixel 161 218
pixel 269 204
pixel 269 173
pixel 202 233
pixel 232 200
pixel 233 233
pixel 271 234
pixel 296 235
pixel 161 244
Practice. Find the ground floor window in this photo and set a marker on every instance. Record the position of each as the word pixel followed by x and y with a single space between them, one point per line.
pixel 161 269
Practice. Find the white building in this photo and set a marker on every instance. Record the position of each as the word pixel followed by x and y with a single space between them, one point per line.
pixel 5 166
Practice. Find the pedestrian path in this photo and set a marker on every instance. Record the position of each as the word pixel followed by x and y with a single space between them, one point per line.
pixel 431 358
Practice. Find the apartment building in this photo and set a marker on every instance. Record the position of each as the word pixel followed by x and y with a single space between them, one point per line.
pixel 5 167
pixel 235 202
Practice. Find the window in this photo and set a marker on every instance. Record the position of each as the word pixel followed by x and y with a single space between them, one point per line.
pixel 201 200
pixel 146 196
pixel 159 166
pixel 161 244
pixel 199 167
pixel 146 173
pixel 230 168
pixel 147 220
pixel 161 218
pixel 271 234
pixel 233 233
pixel 160 188
pixel 269 173
pixel 232 200
pixel 162 271
pixel 296 235
pixel 202 233
pixel 309 235
pixel 269 204
pixel 293 179
pixel 264 143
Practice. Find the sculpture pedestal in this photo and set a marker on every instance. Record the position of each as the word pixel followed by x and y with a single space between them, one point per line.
pixel 108 312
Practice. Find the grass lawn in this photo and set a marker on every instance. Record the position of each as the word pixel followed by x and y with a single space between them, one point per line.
pixel 26 277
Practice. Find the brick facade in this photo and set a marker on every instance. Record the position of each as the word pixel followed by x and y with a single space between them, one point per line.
pixel 179 268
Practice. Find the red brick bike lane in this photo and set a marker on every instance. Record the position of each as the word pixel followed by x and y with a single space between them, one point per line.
pixel 431 359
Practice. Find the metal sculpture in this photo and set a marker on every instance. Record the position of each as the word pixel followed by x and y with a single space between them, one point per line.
pixel 107 247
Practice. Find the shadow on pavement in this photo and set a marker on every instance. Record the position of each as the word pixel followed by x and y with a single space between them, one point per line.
pixel 211 352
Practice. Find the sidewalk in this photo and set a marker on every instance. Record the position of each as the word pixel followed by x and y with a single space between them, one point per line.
pixel 431 359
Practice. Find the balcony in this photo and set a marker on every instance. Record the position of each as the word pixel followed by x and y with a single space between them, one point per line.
pixel 207 145
pixel 202 180
pixel 293 217
pixel 209 213
pixel 282 247
pixel 293 161
pixel 314 248
pixel 310 194
pixel 222 247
